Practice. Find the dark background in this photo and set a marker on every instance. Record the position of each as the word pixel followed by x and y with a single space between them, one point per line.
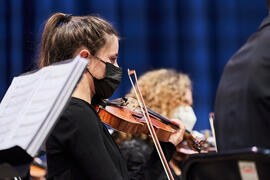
pixel 196 37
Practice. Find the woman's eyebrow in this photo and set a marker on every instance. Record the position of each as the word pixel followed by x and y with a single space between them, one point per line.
pixel 114 55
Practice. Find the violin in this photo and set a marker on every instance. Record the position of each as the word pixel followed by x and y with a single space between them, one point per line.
pixel 118 116
pixel 134 122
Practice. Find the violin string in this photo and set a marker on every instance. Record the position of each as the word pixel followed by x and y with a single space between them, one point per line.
pixel 150 126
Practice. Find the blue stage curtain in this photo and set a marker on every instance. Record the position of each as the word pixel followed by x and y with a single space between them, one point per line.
pixel 196 37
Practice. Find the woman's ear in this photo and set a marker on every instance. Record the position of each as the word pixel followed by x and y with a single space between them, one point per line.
pixel 85 53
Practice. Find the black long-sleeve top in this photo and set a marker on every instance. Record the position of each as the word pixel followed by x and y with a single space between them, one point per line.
pixel 80 147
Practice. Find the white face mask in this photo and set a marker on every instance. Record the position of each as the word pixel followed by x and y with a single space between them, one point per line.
pixel 186 115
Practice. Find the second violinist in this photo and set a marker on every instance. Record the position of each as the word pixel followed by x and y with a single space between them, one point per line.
pixel 80 146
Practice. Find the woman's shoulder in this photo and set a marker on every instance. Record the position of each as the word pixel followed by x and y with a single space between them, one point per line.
pixel 77 113
pixel 79 109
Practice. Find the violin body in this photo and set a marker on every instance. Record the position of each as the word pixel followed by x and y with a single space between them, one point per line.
pixel 120 117
pixel 123 119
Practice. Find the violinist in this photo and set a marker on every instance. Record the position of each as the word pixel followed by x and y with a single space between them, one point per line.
pixel 80 146
pixel 168 93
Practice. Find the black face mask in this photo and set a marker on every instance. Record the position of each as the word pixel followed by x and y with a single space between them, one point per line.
pixel 106 86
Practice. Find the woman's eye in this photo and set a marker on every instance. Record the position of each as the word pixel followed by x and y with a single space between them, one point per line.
pixel 113 60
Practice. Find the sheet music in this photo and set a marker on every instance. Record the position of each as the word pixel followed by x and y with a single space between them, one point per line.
pixel 12 104
pixel 57 108
pixel 28 102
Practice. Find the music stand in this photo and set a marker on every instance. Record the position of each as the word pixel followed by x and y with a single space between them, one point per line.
pixel 251 163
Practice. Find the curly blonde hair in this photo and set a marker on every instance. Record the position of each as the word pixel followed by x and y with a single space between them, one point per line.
pixel 163 90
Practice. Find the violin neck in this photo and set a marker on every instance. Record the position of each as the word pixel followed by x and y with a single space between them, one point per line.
pixel 161 118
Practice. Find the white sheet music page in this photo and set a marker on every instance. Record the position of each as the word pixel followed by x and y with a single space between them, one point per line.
pixel 58 105
pixel 13 103
pixel 26 108
pixel 39 106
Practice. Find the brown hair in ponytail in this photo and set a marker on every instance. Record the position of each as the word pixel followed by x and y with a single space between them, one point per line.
pixel 64 34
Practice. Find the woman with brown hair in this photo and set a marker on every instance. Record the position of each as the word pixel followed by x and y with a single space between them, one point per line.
pixel 80 146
